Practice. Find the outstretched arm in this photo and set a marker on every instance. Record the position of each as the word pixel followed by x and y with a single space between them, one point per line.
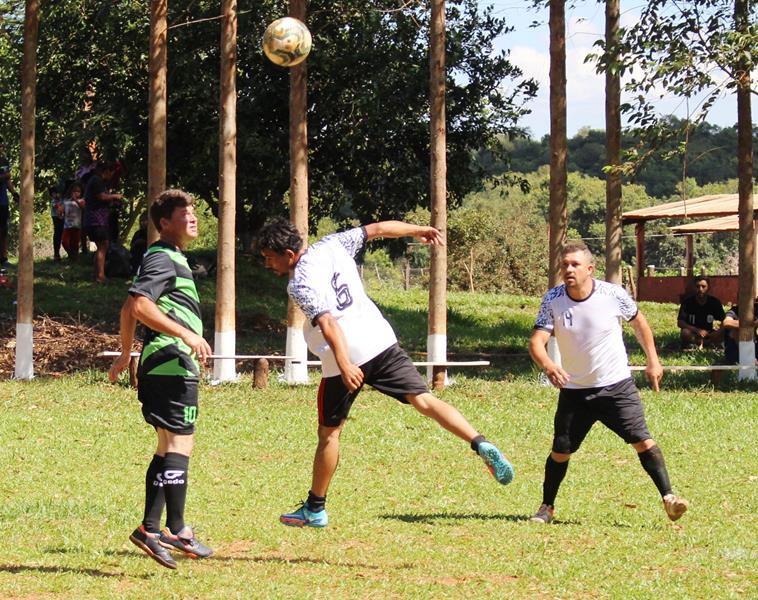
pixel 644 335
pixel 396 229
pixel 555 373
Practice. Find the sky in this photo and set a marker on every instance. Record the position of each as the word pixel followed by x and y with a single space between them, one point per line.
pixel 529 50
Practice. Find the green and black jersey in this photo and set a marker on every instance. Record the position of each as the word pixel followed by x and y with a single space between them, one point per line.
pixel 166 279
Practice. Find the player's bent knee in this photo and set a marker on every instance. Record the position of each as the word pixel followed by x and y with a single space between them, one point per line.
pixel 644 445
pixel 560 457
pixel 424 403
pixel 327 435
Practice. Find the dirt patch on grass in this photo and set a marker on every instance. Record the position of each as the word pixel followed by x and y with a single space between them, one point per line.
pixel 61 345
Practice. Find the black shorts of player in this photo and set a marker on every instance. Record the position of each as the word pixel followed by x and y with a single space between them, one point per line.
pixel 616 406
pixel 169 402
pixel 5 213
pixel 391 372
pixel 96 234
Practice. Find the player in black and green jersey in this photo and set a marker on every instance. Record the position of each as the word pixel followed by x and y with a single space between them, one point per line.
pixel 163 297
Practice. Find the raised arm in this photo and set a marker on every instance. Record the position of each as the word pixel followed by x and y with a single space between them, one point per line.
pixel 396 229
pixel 644 336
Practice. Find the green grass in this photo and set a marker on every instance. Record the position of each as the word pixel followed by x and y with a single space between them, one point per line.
pixel 413 513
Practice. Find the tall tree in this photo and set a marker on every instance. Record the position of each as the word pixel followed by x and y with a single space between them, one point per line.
pixel 613 145
pixel 558 143
pixel 693 49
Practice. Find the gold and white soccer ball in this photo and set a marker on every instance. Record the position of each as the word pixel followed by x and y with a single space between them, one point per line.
pixel 287 42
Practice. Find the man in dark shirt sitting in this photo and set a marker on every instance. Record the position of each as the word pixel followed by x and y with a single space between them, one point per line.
pixel 697 315
pixel 732 326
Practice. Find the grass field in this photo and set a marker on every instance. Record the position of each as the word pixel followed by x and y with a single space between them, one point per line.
pixel 413 512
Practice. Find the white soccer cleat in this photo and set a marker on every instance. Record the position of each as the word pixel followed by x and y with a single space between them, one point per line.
pixel 675 506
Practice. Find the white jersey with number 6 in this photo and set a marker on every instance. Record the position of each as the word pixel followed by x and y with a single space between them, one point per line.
pixel 589 333
pixel 326 279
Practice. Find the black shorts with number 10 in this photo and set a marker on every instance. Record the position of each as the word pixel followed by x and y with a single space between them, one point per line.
pixel 169 402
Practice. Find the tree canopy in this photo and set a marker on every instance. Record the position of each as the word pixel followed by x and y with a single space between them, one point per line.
pixel 367 99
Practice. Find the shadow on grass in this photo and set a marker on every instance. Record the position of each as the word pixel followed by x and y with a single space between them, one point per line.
pixel 279 560
pixel 58 570
pixel 432 517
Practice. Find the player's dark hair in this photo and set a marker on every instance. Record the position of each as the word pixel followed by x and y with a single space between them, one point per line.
pixel 571 247
pixel 279 235
pixel 164 205
pixel 701 278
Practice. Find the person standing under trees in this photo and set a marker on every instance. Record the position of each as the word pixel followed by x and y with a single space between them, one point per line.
pixel 56 214
pixel 595 381
pixel 163 297
pixel 97 212
pixel 356 345
pixel 6 185
pixel 72 221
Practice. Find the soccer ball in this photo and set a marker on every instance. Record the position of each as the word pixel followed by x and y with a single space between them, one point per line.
pixel 287 42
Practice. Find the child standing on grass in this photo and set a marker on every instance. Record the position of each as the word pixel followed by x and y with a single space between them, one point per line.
pixel 72 221
pixel 164 298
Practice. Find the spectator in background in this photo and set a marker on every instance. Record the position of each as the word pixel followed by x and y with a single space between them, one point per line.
pixel 6 185
pixel 72 220
pixel 697 315
pixel 138 245
pixel 56 213
pixel 97 200
pixel 731 325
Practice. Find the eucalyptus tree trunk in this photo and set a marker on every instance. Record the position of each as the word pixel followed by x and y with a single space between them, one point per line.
pixel 157 109
pixel 745 190
pixel 558 215
pixel 296 371
pixel 225 334
pixel 613 146
pixel 24 368
pixel 436 342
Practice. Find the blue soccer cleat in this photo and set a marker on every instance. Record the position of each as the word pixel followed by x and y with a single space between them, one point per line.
pixel 498 465
pixel 303 517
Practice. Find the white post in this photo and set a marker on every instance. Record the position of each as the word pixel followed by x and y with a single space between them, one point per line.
pixel 296 370
pixel 436 351
pixel 747 359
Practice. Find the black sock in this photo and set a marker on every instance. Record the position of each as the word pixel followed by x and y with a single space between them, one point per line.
pixel 155 499
pixel 554 473
pixel 315 503
pixel 175 480
pixel 652 461
pixel 476 441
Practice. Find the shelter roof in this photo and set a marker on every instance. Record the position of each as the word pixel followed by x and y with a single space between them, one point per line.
pixel 728 223
pixel 714 205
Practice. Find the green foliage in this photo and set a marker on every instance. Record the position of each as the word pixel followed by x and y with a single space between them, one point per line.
pixel 710 155
pixel 367 94
pixel 690 50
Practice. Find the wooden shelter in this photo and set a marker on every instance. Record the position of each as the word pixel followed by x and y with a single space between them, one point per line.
pixel 671 289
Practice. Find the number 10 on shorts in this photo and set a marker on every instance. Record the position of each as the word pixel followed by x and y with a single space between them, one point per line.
pixel 190 414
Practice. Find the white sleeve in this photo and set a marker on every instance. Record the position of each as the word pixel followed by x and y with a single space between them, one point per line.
pixel 545 319
pixel 627 305
pixel 351 240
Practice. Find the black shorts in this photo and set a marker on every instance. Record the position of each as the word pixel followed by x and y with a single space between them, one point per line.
pixel 96 233
pixel 391 372
pixel 169 402
pixel 616 406
pixel 5 213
